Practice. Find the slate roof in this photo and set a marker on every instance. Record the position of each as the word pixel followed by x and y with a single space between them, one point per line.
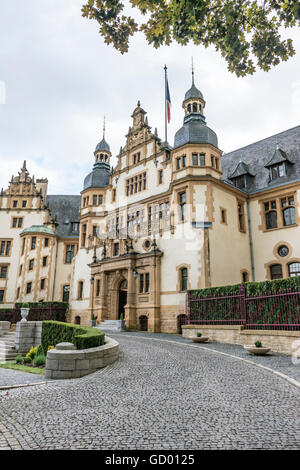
pixel 103 145
pixel 65 209
pixel 99 177
pixel 259 154
pixel 193 92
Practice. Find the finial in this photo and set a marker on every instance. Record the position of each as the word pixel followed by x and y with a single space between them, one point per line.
pixel 24 165
pixel 155 132
pixel 193 83
pixel 104 128
pixel 138 103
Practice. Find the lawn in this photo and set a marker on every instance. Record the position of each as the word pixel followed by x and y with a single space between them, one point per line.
pixel 22 368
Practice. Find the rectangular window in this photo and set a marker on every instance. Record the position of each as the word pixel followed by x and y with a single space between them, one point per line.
pixel 182 204
pixel 5 247
pixel 223 216
pixel 31 263
pixel 98 284
pixel 17 222
pixel 80 290
pixel 20 269
pixel 28 287
pixel 83 236
pixel 45 258
pixel 241 217
pixel 136 184
pixel 42 287
pixel 160 176
pixel 24 203
pixel 70 252
pixel 184 161
pixel 147 282
pixel 100 200
pixel 15 203
pixel 141 283
pixel 46 242
pixel 116 249
pixel 95 200
pixel 33 243
pixel 202 159
pixel 3 272
pixel 1 295
pixel 178 163
pixel 195 159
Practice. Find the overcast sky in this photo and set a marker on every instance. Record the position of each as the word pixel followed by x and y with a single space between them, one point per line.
pixel 58 79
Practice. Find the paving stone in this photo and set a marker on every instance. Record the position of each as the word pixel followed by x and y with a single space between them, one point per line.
pixel 159 395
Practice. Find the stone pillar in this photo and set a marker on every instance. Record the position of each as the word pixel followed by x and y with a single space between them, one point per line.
pixel 28 334
pixel 130 308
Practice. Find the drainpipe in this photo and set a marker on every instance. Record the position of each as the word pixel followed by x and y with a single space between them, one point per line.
pixel 54 278
pixel 250 242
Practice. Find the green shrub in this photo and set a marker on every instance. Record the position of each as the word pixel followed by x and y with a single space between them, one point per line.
pixel 27 360
pixel 251 288
pixel 39 360
pixel 83 337
pixel 258 344
pixel 32 353
pixel 40 350
pixel 25 305
pixel 19 359
pixel 199 335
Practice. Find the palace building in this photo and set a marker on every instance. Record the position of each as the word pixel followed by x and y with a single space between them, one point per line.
pixel 166 219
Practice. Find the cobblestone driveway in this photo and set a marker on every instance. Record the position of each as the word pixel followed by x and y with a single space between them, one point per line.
pixel 159 395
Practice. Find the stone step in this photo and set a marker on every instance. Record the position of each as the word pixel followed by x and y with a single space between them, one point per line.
pixel 110 325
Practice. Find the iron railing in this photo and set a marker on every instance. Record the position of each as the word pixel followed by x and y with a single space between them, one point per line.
pixel 279 311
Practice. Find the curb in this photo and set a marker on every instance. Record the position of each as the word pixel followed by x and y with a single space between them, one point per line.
pixel 9 387
pixel 280 374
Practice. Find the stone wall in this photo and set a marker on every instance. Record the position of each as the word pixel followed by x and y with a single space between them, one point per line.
pixel 280 341
pixel 4 327
pixel 28 334
pixel 66 362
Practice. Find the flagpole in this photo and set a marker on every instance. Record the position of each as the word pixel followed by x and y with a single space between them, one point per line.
pixel 166 127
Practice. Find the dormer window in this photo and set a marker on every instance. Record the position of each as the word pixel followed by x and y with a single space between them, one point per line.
pixel 277 171
pixel 240 182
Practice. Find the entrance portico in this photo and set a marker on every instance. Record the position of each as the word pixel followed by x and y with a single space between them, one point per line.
pixel 128 284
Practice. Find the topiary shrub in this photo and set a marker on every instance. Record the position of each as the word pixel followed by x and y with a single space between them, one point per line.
pixel 83 337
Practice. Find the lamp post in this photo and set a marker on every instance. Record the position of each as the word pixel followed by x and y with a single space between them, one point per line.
pixel 93 319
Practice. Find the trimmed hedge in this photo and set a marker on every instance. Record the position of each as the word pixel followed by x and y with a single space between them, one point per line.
pixel 251 288
pixel 83 337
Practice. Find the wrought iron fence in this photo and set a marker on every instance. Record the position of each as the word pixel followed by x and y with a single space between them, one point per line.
pixel 276 311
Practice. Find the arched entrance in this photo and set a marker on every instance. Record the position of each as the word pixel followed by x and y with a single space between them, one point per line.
pixel 143 320
pixel 122 298
pixel 181 320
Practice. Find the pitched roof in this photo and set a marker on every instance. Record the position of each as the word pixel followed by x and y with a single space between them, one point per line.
pixel 259 154
pixel 66 210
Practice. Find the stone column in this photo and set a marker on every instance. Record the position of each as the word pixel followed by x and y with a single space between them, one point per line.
pixel 130 308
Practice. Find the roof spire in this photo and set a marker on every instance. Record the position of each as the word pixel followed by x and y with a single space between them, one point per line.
pixel 193 82
pixel 104 128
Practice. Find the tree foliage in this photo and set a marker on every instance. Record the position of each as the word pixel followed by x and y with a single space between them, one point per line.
pixel 245 32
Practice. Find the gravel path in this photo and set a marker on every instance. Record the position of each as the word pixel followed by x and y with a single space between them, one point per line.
pixel 159 395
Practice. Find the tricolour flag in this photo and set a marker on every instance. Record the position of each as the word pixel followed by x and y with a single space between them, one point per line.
pixel 168 101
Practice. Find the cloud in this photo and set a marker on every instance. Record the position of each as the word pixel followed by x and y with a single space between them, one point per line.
pixel 61 79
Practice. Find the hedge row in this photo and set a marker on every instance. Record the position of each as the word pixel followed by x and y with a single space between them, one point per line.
pixel 251 288
pixel 53 305
pixel 83 337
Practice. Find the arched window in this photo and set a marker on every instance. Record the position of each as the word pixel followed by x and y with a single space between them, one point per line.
pixel 183 279
pixel 195 108
pixel 294 269
pixel 276 271
pixel 189 108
